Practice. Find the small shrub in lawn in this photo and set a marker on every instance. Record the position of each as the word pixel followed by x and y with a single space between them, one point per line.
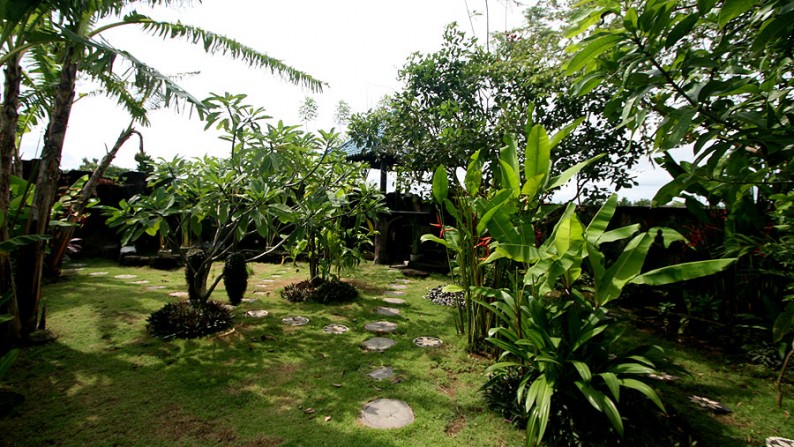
pixel 320 291
pixel 500 393
pixel 235 277
pixel 185 320
pixel 195 258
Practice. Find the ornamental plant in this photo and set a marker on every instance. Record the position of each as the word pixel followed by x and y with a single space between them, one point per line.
pixel 550 323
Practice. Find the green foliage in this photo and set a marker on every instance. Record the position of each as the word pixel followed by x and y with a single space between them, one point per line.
pixel 186 320
pixel 196 271
pixel 320 291
pixel 464 99
pixel 235 277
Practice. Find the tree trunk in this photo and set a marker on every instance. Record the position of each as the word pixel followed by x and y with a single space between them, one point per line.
pixel 9 117
pixel 31 258
pixel 55 260
pixel 381 244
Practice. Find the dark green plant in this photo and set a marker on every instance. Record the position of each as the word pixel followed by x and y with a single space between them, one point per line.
pixel 299 292
pixel 196 271
pixel 320 291
pixel 235 277
pixel 185 320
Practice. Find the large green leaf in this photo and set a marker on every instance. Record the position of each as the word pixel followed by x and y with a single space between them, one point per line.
pixel 538 154
pixel 682 272
pixel 732 9
pixel 12 244
pixel 601 220
pixel 473 178
pixel 566 175
pixel 645 389
pixel 628 265
pixel 440 184
pixel 594 47
pixel 784 323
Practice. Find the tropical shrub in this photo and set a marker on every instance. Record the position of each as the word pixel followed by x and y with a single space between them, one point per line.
pixel 235 277
pixel 196 274
pixel 185 320
pixel 320 291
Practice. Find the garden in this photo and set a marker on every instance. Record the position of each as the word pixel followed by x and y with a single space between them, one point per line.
pixel 262 308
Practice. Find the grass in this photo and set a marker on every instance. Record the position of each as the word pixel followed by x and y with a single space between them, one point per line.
pixel 105 381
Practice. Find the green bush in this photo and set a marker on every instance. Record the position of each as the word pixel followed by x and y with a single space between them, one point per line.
pixel 320 291
pixel 235 277
pixel 193 271
pixel 186 320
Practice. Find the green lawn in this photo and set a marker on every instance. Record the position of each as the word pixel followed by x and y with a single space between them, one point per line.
pixel 106 382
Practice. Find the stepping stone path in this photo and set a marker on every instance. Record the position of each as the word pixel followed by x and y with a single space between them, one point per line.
pixel 249 300
pixel 98 273
pixel 140 281
pixel 379 344
pixel 381 327
pixel 295 321
pixel 398 286
pixel 395 292
pixel 387 311
pixel 403 280
pixel 228 307
pixel 335 328
pixel 394 301
pixel 384 373
pixel 257 313
pixel 125 276
pixel 275 276
pixel 179 294
pixel 261 292
pixel 268 281
pixel 427 342
pixel 709 404
pixel 154 287
pixel 387 413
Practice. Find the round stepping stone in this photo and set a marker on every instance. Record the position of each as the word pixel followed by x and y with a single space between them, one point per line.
pixel 262 286
pixel 295 321
pixel 335 328
pixel 179 294
pixel 140 281
pixel 427 342
pixel 395 292
pixel 381 327
pixel 403 280
pixel 257 313
pixel 387 311
pixel 228 307
pixel 154 287
pixel 76 265
pixel 125 276
pixel 386 413
pixel 98 273
pixel 398 286
pixel 249 300
pixel 394 301
pixel 70 271
pixel 379 344
pixel 268 281
pixel 261 292
pixel 382 373
pixel 778 442
pixel 275 276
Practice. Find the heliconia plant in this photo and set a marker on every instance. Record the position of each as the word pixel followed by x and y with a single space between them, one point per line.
pixel 547 323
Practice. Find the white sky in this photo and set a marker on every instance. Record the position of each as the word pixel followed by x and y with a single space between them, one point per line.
pixel 356 46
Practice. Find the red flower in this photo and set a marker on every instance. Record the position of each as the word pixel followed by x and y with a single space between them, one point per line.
pixel 438 225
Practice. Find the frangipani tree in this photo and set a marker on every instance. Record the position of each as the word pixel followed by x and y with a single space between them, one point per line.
pixel 58 40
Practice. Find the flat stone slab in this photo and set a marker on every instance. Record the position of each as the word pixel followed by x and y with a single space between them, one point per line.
pixel 387 372
pixel 179 294
pixel 386 413
pixel 125 276
pixel 154 287
pixel 381 327
pixel 387 311
pixel 275 276
pixel 398 286
pixel 778 442
pixel 71 271
pixel 395 292
pixel 140 281
pixel 709 404
pixel 267 281
pixel 257 313
pixel 76 265
pixel 295 320
pixel 335 328
pixel 228 307
pixel 427 342
pixel 261 292
pixel 403 280
pixel 394 301
pixel 98 273
pixel 379 344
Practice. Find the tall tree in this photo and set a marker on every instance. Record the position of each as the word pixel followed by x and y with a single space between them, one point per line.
pixel 70 31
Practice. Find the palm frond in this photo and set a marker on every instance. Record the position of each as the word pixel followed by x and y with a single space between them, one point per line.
pixel 215 43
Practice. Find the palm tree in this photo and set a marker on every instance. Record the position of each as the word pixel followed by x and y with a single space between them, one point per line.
pixel 68 33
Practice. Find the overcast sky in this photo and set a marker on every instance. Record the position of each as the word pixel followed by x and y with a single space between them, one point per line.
pixel 355 46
